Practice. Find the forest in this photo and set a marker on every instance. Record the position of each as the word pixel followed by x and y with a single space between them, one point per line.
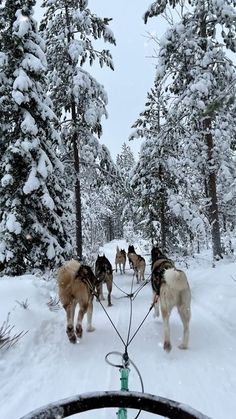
pixel 63 196
pixel 61 193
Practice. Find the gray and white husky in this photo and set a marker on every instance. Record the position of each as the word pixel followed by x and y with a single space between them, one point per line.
pixel 171 289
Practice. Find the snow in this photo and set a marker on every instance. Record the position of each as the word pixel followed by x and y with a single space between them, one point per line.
pixel 22 25
pixel 18 97
pixel 32 182
pixel 28 125
pixel 48 201
pixel 76 48
pixel 32 63
pixel 22 81
pixel 44 366
pixel 12 224
pixel 90 115
pixel 51 250
pixel 6 180
pixel 44 164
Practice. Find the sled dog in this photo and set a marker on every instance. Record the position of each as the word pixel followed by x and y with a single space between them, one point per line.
pixel 137 262
pixel 77 285
pixel 120 259
pixel 170 289
pixel 103 272
pixel 130 250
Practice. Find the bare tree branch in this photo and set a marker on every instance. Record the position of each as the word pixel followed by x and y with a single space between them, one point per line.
pixel 53 304
pixel 6 340
pixel 23 304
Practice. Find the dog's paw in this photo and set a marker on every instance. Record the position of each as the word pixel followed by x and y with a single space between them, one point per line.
pixel 183 346
pixel 72 339
pixel 71 334
pixel 79 331
pixel 167 346
pixel 90 329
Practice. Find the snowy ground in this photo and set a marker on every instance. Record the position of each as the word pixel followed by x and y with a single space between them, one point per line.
pixel 44 367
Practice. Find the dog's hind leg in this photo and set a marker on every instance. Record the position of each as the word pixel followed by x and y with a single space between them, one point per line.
pixel 156 305
pixel 166 324
pixel 70 312
pixel 90 328
pixel 185 314
pixel 109 289
pixel 100 288
pixel 82 310
pixel 142 271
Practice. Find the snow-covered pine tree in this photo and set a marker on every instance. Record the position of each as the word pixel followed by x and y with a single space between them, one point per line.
pixel 201 79
pixel 99 177
pixel 125 216
pixel 99 180
pixel 125 160
pixel 156 176
pixel 150 180
pixel 69 28
pixel 34 206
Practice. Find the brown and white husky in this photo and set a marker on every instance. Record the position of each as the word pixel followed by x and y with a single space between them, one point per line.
pixel 120 259
pixel 77 285
pixel 137 262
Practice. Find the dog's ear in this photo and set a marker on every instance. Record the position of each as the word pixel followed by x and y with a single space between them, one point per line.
pixel 103 254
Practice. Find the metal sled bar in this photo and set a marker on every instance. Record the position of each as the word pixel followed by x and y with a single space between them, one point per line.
pixel 103 399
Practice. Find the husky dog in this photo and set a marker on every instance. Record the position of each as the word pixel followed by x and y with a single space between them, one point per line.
pixel 138 264
pixel 130 250
pixel 77 285
pixel 120 259
pixel 103 272
pixel 170 287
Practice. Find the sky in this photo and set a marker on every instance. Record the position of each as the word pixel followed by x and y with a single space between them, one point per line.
pixel 134 72
pixel 44 366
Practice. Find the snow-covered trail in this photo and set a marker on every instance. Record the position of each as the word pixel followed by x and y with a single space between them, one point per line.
pixel 44 367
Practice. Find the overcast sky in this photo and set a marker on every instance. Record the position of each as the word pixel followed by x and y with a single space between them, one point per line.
pixel 128 85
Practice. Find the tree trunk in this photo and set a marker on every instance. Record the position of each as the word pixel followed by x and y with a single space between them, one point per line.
pixel 78 216
pixel 213 207
pixel 163 223
pixel 211 171
pixel 162 210
pixel 110 232
pixel 75 141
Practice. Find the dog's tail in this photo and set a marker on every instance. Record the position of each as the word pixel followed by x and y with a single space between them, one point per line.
pixel 176 278
pixel 171 275
pixel 66 273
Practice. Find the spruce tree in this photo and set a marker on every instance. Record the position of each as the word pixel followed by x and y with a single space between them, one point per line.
pixel 194 69
pixel 34 216
pixel 99 181
pixel 125 214
pixel 69 28
pixel 125 161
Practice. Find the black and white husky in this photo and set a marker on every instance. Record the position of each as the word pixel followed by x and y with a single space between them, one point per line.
pixel 170 289
pixel 104 274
